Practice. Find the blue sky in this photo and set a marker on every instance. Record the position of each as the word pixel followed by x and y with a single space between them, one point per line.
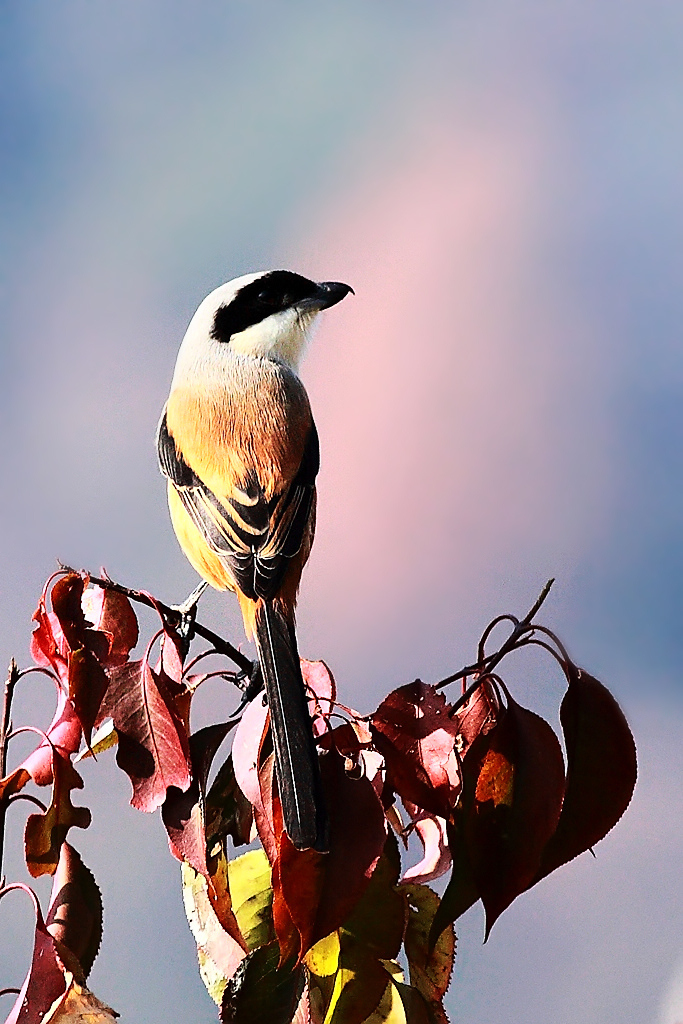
pixel 502 184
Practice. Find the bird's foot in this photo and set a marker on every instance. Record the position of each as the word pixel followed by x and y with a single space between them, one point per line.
pixel 187 614
pixel 252 685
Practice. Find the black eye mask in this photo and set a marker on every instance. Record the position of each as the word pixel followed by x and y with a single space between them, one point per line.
pixel 272 293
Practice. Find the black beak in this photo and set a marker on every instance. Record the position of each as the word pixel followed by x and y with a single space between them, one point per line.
pixel 329 293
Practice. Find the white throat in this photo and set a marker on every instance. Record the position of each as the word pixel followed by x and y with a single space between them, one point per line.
pixel 281 338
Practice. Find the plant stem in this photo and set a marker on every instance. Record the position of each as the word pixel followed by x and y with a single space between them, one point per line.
pixel 489 663
pixel 172 614
pixel 5 731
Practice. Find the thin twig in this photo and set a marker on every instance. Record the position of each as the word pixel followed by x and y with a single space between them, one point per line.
pixel 173 616
pixel 487 664
pixel 5 733
pixel 29 798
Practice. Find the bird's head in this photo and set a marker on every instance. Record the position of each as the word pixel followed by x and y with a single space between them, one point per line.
pixel 268 314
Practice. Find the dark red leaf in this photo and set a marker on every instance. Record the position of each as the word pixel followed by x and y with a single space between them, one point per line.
pixel 378 918
pixel 183 812
pixel 261 990
pixel 66 604
pixel 601 769
pixel 87 686
pixel 67 596
pixel 286 931
pixel 321 889
pixel 516 806
pixel 415 734
pixel 478 716
pixel 153 746
pixel 112 614
pixel 45 981
pixel 45 832
pixel 461 892
pixel 75 914
pixel 228 812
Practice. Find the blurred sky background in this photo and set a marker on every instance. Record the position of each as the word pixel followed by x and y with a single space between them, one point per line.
pixel 502 184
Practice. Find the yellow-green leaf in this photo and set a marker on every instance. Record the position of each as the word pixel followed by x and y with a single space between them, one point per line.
pixel 105 738
pixel 323 958
pixel 390 1009
pixel 430 971
pixel 252 897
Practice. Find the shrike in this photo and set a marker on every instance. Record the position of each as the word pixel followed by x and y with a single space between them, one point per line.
pixel 239 446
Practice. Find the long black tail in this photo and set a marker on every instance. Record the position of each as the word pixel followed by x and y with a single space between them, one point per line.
pixel 296 758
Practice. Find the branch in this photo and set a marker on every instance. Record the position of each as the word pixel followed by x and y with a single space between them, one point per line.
pixel 487 663
pixel 5 733
pixel 173 616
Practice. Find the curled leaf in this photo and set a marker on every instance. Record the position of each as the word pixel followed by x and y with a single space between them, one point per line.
pixel 515 807
pixel 601 769
pixel 75 915
pixel 45 982
pixel 436 860
pixel 111 613
pixel 45 832
pixel 78 1005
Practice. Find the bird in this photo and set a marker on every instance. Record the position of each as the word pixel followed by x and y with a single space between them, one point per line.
pixel 238 445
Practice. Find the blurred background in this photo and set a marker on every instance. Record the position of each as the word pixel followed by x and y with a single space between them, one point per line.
pixel 502 184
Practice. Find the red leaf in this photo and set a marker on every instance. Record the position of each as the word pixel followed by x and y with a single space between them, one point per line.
pixel 478 716
pixel 65 642
pixel 67 596
pixel 64 735
pixel 75 914
pixel 413 731
pixel 515 808
pixel 49 648
pixel 153 745
pixel 322 693
pixel 461 892
pixel 45 981
pixel 88 684
pixel 601 769
pixel 183 812
pixel 112 614
pixel 320 890
pixel 288 937
pixel 45 832
pixel 254 781
pixel 184 816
